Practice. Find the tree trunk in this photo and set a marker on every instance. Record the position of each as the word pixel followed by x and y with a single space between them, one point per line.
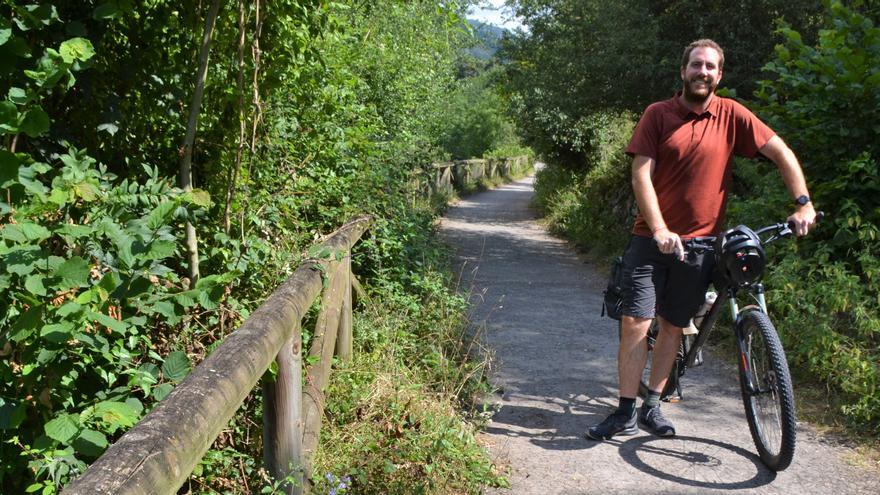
pixel 232 177
pixel 192 244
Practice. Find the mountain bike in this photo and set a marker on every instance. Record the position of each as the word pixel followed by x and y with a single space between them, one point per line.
pixel 765 381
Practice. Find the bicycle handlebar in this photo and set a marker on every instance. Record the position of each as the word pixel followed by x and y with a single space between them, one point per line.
pixel 779 230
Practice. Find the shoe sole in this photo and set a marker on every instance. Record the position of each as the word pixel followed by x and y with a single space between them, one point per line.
pixel 648 427
pixel 624 433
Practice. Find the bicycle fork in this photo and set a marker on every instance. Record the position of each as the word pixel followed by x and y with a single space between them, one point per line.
pixel 742 343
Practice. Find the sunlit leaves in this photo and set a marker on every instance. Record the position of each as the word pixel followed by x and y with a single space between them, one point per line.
pixel 76 49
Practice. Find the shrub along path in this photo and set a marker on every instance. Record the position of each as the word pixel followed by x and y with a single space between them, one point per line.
pixel 538 304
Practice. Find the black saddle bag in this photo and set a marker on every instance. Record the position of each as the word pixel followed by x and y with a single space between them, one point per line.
pixel 612 304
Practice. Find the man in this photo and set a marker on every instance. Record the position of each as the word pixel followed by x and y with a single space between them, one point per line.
pixel 682 151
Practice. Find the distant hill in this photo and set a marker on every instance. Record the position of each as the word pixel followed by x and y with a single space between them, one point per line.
pixel 488 39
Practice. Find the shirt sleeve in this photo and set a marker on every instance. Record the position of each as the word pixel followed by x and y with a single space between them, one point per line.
pixel 751 133
pixel 646 136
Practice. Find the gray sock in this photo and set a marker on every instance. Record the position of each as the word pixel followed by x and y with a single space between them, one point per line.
pixel 652 400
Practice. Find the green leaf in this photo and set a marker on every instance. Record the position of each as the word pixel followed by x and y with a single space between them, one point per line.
pixel 109 128
pixel 162 391
pixel 198 197
pixel 24 232
pixel 160 214
pixel 116 414
pixel 186 298
pixel 9 164
pixel 5 31
pixel 73 273
pixel 90 443
pixel 18 96
pixel 68 309
pixel 159 250
pixel 176 366
pixel 105 11
pixel 113 324
pixel 11 414
pixel 75 49
pixel 8 117
pixel 27 324
pixel 64 428
pixel 34 285
pixel 35 122
pixel 57 332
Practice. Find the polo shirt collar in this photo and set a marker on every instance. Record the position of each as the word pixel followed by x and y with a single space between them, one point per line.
pixel 684 111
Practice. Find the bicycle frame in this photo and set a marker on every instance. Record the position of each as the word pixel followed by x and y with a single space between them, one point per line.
pixel 709 320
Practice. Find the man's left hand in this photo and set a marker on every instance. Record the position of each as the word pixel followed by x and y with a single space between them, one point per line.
pixel 803 219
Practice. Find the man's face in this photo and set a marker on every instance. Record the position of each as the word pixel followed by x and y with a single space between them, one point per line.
pixel 701 75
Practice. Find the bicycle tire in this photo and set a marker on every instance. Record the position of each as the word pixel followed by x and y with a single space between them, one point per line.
pixel 770 409
pixel 669 392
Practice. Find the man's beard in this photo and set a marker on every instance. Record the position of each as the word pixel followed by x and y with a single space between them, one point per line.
pixel 699 97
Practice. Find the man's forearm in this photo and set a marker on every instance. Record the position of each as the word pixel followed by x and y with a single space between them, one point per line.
pixel 646 196
pixel 789 167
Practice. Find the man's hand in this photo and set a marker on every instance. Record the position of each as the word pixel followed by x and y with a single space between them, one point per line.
pixel 803 219
pixel 669 242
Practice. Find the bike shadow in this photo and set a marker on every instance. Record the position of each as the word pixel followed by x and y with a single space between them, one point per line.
pixel 697 462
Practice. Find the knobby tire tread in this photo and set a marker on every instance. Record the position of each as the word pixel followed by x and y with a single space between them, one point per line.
pixel 755 320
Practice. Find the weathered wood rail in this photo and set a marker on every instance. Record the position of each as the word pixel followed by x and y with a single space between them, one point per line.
pixel 460 175
pixel 158 454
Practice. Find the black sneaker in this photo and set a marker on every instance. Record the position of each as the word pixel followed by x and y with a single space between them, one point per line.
pixel 652 419
pixel 615 424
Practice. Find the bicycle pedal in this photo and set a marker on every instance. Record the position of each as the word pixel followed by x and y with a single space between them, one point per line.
pixel 672 399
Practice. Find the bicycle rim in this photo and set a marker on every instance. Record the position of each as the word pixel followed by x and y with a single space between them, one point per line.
pixel 767 391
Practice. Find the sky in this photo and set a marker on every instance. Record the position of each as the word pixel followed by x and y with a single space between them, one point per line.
pixel 493 12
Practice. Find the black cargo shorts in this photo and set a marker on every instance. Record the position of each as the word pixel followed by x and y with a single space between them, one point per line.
pixel 655 283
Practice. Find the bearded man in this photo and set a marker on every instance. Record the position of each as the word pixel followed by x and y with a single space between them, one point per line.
pixel 682 167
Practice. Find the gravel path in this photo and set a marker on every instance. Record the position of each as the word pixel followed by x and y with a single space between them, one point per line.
pixel 537 302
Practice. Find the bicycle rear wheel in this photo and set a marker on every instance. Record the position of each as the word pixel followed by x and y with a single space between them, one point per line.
pixel 766 390
pixel 671 392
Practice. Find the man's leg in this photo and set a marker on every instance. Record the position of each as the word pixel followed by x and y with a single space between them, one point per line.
pixel 665 351
pixel 631 359
pixel 633 354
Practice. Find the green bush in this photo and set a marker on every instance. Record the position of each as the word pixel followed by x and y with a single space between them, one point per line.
pixel 476 120
pixel 822 100
pixel 594 207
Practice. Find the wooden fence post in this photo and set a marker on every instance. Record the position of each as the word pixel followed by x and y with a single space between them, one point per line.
pixel 344 338
pixel 282 417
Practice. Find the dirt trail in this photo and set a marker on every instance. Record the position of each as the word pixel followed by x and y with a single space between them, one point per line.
pixel 556 373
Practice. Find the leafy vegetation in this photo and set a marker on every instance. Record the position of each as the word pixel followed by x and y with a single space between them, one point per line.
pixel 313 111
pixel 818 90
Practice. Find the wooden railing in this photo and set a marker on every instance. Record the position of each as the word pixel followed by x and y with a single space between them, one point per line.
pixel 158 454
pixel 446 177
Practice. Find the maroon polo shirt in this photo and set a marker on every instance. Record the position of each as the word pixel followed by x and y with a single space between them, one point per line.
pixel 694 160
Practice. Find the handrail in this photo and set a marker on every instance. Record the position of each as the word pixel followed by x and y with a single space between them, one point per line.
pixel 158 454
pixel 460 174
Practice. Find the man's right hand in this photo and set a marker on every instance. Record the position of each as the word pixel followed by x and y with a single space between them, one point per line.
pixel 669 242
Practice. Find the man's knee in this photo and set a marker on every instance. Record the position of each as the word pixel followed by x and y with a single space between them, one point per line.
pixel 635 324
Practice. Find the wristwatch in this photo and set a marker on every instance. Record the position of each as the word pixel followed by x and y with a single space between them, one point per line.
pixel 802 200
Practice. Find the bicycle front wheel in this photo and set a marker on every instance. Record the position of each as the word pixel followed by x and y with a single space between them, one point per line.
pixel 766 390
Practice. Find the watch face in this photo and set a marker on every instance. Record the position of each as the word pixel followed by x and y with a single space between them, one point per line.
pixel 802 200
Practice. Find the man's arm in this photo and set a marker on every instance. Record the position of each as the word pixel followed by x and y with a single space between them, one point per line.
pixel 776 150
pixel 646 198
